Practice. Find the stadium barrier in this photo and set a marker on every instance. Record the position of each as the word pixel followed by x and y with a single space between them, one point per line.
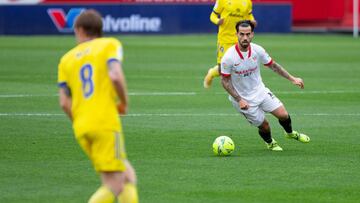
pixel 44 19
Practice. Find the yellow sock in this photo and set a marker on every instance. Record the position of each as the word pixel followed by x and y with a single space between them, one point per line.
pixel 215 71
pixel 129 194
pixel 102 195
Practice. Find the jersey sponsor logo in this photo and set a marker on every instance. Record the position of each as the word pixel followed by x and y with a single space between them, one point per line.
pixel 236 15
pixel 134 23
pixel 240 72
pixel 64 23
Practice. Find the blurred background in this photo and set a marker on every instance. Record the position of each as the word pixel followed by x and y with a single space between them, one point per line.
pixel 23 17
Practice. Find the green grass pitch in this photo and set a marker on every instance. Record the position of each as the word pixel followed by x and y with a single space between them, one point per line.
pixel 173 121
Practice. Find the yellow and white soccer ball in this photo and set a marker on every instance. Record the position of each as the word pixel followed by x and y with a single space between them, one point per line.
pixel 223 146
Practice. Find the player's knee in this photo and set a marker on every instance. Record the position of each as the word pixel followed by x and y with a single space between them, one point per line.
pixel 265 126
pixel 114 180
pixel 283 116
pixel 281 113
pixel 130 175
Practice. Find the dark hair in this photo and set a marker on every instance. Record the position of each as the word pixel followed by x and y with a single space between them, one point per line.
pixel 91 21
pixel 244 23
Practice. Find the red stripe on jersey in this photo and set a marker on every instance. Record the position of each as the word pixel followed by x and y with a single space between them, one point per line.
pixel 249 55
pixel 238 51
pixel 269 64
pixel 225 75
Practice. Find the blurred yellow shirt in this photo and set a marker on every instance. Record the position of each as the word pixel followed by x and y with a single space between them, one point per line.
pixel 84 71
pixel 232 11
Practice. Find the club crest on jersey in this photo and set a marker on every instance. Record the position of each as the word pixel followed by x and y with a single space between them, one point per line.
pixel 254 58
pixel 64 23
pixel 222 49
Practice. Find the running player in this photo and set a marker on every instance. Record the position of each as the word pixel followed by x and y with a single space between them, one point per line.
pixel 92 92
pixel 226 14
pixel 240 70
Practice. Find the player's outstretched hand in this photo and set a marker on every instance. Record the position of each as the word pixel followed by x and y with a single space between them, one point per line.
pixel 122 108
pixel 299 82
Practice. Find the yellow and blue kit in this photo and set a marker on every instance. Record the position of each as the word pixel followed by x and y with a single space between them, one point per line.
pixel 96 122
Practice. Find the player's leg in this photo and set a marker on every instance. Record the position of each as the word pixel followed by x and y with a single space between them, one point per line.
pixel 112 185
pixel 103 193
pixel 265 134
pixel 265 131
pixel 129 194
pixel 109 162
pixel 285 121
pixel 215 71
pixel 256 117
pixel 211 74
pixel 284 118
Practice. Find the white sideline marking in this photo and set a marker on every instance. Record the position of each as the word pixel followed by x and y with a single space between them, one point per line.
pixel 162 93
pixel 313 92
pixel 131 94
pixel 32 114
pixel 187 93
pixel 168 114
pixel 319 92
pixel 25 95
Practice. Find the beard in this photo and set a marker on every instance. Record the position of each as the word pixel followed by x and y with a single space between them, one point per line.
pixel 244 44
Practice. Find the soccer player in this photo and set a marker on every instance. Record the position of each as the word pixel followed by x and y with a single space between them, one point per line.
pixel 240 70
pixel 226 14
pixel 92 93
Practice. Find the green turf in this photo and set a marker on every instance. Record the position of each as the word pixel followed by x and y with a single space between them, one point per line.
pixel 169 137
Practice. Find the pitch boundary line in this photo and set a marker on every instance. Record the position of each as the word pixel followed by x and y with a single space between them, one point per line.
pixel 187 93
pixel 168 114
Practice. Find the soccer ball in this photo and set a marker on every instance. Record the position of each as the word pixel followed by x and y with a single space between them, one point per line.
pixel 223 146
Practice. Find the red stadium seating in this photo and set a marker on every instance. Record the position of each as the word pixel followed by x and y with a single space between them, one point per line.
pixel 320 14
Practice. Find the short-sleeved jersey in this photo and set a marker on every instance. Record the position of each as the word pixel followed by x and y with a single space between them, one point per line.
pixel 244 69
pixel 232 11
pixel 84 70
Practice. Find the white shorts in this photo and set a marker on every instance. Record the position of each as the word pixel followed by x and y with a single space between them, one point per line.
pixel 255 114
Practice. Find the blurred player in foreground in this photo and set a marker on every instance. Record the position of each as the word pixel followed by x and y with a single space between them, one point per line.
pixel 226 14
pixel 91 82
pixel 240 70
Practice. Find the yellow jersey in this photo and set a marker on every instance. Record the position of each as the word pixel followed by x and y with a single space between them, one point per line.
pixel 84 71
pixel 232 11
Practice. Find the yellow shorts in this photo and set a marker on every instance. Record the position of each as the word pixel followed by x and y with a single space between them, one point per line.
pixel 106 150
pixel 221 49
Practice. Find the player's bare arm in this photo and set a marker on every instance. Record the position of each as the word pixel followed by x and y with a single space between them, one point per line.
pixel 118 79
pixel 221 21
pixel 282 72
pixel 226 83
pixel 65 101
pixel 214 18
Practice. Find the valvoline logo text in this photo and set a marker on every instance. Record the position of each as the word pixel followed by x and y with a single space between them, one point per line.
pixel 64 23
